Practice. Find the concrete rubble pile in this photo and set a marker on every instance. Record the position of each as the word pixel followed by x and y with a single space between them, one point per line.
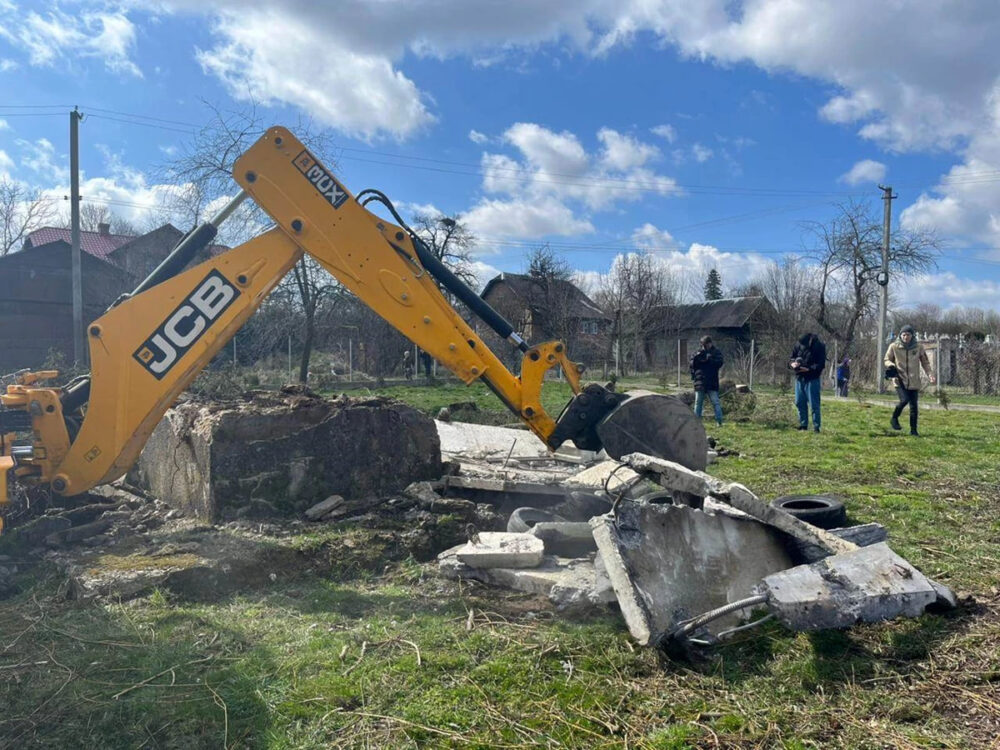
pixel 681 553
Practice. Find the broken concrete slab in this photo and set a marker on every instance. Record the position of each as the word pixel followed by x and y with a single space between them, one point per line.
pixel 611 473
pixel 867 584
pixel 668 563
pixel 482 441
pixel 565 538
pixel 862 535
pixel 321 509
pixel 502 549
pixel 743 499
pixel 570 584
pixel 669 474
pixel 289 451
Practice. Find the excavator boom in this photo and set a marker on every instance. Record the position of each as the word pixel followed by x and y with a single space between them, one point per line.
pixel 150 345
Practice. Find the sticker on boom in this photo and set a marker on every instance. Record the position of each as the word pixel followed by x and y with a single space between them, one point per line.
pixel 323 181
pixel 185 325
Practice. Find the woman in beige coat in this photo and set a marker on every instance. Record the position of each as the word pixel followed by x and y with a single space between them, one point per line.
pixel 907 356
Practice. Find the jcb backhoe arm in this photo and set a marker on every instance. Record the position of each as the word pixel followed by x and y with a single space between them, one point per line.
pixel 149 347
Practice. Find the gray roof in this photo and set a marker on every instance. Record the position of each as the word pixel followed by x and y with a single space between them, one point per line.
pixel 531 290
pixel 733 312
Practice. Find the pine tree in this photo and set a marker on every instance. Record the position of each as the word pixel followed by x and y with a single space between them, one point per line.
pixel 713 285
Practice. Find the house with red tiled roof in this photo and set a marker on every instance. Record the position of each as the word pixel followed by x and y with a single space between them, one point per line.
pixel 36 300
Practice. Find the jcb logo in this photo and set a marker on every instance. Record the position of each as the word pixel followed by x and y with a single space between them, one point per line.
pixel 186 324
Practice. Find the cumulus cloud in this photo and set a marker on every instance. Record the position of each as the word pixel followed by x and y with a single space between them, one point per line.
pixel 6 64
pixel 4 125
pixel 476 137
pixel 949 290
pixel 553 171
pixel 282 58
pixel 6 163
pixel 866 170
pixel 666 132
pixel 701 153
pixel 524 219
pixel 57 35
pixel 649 237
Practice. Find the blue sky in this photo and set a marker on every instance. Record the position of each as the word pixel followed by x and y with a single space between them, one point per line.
pixel 707 132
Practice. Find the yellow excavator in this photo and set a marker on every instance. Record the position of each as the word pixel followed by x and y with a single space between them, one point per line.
pixel 149 346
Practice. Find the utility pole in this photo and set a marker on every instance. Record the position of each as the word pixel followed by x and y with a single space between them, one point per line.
pixel 883 281
pixel 79 352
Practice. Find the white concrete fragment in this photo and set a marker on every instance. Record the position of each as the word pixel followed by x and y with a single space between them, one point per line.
pixel 480 440
pixel 320 509
pixel 868 584
pixel 667 563
pixel 671 475
pixel 500 549
pixel 570 584
pixel 594 477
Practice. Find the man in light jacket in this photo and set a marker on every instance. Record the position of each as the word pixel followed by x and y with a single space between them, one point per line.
pixel 907 356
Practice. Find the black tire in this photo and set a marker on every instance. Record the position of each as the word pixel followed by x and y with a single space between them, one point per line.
pixel 523 519
pixel 824 511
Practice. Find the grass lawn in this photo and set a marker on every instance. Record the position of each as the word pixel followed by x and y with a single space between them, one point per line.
pixel 358 655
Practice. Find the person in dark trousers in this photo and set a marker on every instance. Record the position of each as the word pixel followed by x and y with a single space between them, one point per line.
pixel 844 377
pixel 705 366
pixel 808 361
pixel 906 355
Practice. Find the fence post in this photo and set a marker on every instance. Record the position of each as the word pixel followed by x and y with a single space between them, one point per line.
pixel 753 347
pixel 289 357
pixel 350 359
pixel 678 363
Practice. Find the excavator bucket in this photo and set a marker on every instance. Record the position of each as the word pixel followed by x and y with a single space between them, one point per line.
pixel 655 424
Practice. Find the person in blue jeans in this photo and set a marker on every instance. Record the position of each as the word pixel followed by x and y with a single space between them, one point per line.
pixel 705 366
pixel 808 361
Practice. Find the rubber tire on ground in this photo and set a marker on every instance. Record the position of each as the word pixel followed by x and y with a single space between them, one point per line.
pixel 523 519
pixel 824 511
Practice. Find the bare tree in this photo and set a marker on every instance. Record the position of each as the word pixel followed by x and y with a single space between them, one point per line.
pixel 638 294
pixel 552 295
pixel 93 215
pixel 202 173
pixel 848 249
pixel 450 241
pixel 22 210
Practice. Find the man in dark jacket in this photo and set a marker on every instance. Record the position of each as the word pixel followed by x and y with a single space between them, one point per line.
pixel 705 366
pixel 808 361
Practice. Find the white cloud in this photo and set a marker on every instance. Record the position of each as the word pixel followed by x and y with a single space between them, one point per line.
pixel 524 219
pixel 4 125
pixel 6 163
pixel 666 132
pixel 106 36
pixel 949 290
pixel 282 57
pixel 483 273
pixel 541 192
pixel 40 157
pixel 6 65
pixel 622 152
pixel 649 237
pixel 476 137
pixel 866 170
pixel 701 153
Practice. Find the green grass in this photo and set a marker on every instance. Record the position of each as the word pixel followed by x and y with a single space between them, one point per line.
pixel 357 656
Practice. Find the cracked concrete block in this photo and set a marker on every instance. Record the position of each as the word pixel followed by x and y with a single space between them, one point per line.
pixel 289 450
pixel 669 474
pixel 320 509
pixel 867 584
pixel 565 538
pixel 501 549
pixel 570 584
pixel 668 563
